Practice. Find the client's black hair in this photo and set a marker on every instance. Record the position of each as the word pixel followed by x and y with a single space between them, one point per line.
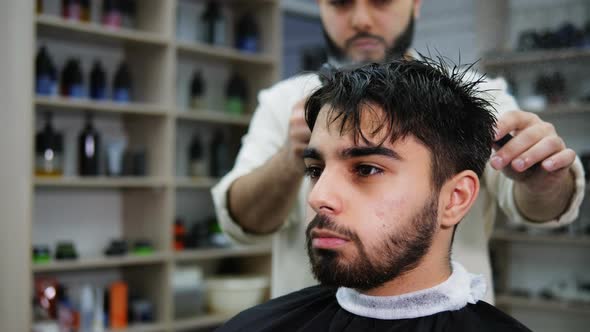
pixel 427 99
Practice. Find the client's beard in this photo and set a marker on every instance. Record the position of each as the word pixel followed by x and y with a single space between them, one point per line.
pixel 338 57
pixel 395 254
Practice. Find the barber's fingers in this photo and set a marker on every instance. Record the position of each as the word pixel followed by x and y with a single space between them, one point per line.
pixel 562 159
pixel 539 139
pixel 514 121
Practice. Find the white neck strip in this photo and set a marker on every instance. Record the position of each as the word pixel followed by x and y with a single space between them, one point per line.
pixel 455 293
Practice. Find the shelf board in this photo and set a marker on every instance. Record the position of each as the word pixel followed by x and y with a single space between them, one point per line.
pixel 153 327
pixel 225 53
pixel 100 106
pixel 200 322
pixel 196 182
pixel 554 111
pixel 532 57
pixel 56 24
pixel 100 182
pixel 99 262
pixel 220 117
pixel 542 304
pixel 552 239
pixel 216 253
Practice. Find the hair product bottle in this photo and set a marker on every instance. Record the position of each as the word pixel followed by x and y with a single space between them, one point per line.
pixel 88 149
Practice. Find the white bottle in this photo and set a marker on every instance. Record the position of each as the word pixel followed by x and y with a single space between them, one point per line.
pixel 86 309
pixel 98 325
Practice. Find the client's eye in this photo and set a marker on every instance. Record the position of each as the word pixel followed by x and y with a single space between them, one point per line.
pixel 367 170
pixel 313 172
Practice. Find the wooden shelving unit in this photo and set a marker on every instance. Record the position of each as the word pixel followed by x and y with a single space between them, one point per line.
pixel 146 205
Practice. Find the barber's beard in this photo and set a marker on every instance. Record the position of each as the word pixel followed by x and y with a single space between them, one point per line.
pixel 384 259
pixel 338 57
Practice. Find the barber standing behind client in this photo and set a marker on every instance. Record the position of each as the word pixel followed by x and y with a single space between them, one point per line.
pixel 264 197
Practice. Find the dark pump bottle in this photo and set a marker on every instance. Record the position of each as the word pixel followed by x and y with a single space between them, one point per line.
pixel 48 150
pixel 71 80
pixel 220 161
pixel 236 93
pixel 248 35
pixel 197 161
pixel 45 74
pixel 197 87
pixel 213 24
pixel 88 149
pixel 122 84
pixel 98 82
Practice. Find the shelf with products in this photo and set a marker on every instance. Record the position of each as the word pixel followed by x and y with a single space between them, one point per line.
pixel 132 301
pixel 101 262
pixel 507 59
pixel 74 104
pixel 215 253
pixel 56 25
pixel 508 300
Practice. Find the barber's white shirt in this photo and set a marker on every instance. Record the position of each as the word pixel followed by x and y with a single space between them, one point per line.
pixel 290 266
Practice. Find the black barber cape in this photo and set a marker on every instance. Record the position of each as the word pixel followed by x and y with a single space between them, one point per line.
pixel 450 308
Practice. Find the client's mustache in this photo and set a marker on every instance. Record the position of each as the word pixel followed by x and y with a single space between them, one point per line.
pixel 364 35
pixel 321 221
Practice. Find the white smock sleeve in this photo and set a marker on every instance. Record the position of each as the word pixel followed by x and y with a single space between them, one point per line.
pixel 266 135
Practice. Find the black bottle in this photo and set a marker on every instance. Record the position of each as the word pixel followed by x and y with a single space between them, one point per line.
pixel 71 80
pixel 213 24
pixel 248 35
pixel 88 149
pixel 98 82
pixel 197 89
pixel 122 84
pixel 45 74
pixel 48 150
pixel 236 93
pixel 219 162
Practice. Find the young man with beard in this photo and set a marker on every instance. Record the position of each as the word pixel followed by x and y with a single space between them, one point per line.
pixel 263 198
pixel 395 158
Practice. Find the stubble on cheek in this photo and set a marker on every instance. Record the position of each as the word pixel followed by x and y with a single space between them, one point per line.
pixel 389 211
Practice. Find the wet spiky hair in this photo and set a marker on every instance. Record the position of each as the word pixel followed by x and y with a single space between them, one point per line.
pixel 429 99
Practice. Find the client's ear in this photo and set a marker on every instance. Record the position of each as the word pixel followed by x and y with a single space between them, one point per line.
pixel 456 197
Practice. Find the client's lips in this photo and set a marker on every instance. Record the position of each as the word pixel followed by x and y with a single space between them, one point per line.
pixel 323 239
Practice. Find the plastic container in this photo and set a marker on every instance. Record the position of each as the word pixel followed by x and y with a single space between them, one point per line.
pixel 232 294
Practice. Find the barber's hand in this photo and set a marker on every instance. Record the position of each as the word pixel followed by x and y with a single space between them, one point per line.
pixel 298 137
pixel 536 155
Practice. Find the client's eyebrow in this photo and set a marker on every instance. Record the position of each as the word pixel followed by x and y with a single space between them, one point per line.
pixel 368 151
pixel 312 153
